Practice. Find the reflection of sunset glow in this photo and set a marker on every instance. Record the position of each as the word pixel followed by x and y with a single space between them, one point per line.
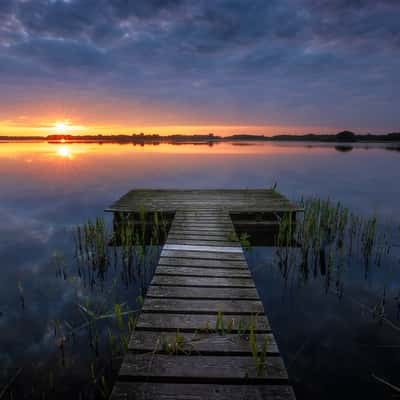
pixel 71 150
pixel 64 152
pixel 51 125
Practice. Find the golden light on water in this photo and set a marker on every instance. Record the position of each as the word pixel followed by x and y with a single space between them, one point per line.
pixel 64 152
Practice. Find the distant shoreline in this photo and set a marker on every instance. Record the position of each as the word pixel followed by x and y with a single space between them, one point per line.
pixel 341 137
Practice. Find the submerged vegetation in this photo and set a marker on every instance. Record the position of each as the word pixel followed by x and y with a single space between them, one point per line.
pixel 129 245
pixel 328 242
pixel 111 264
pixel 107 276
pixel 327 239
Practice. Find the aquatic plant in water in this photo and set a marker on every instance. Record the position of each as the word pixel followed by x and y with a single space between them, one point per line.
pixel 131 245
pixel 326 239
pixel 98 334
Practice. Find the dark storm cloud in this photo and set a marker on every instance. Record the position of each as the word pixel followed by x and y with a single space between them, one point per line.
pixel 356 21
pixel 62 54
pixel 6 7
pixel 143 9
pixel 202 50
pixel 95 19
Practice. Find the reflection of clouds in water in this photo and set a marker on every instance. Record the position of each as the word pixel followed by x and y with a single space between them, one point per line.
pixel 28 334
pixel 103 174
pixel 21 228
pixel 38 204
pixel 317 332
pixel 26 254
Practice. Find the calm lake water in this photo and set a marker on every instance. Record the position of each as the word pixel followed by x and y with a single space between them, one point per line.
pixel 334 346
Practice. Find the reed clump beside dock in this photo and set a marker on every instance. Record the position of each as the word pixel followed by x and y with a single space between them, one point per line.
pixel 327 239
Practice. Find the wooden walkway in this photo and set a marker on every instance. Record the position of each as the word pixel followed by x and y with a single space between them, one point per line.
pixel 203 332
pixel 230 200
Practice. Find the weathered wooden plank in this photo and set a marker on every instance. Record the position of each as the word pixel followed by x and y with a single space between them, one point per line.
pixel 206 202
pixel 197 271
pixel 203 263
pixel 233 208
pixel 203 290
pixel 199 224
pixel 181 292
pixel 227 307
pixel 202 255
pixel 221 222
pixel 199 322
pixel 222 216
pixel 203 220
pixel 165 280
pixel 204 248
pixel 205 229
pixel 190 204
pixel 199 242
pixel 208 211
pixel 182 235
pixel 202 214
pixel 192 391
pixel 209 369
pixel 201 343
pixel 178 234
pixel 198 195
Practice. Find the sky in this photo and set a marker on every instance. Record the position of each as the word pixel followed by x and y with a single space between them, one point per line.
pixel 199 66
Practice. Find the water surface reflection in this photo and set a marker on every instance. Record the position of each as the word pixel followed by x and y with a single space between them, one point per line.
pixel 331 344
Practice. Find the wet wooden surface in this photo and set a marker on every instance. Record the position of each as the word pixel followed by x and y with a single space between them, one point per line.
pixel 208 202
pixel 193 391
pixel 202 332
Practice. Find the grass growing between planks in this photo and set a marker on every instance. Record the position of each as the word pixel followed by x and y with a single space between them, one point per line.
pixel 244 329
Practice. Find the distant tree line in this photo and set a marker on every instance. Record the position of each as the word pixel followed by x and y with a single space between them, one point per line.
pixel 341 137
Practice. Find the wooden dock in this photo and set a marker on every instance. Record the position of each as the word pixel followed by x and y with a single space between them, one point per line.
pixel 203 332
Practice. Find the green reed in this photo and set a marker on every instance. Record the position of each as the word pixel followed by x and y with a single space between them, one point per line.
pixel 259 355
pixel 133 245
pixel 245 328
pixel 244 240
pixel 327 239
pixel 130 248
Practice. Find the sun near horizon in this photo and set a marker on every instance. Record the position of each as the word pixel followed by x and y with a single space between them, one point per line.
pixel 68 127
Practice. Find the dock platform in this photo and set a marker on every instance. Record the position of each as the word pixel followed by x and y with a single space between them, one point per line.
pixel 203 332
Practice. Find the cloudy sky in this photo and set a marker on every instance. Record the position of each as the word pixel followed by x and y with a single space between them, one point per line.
pixel 255 66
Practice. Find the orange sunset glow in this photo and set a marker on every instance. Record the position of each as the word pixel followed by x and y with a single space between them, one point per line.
pixel 198 199
pixel 68 127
